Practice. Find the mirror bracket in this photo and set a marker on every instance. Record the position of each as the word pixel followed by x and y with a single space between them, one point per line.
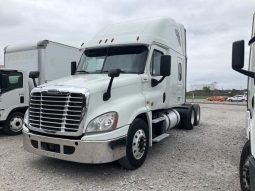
pixel 252 40
pixel 155 82
pixel 245 72
pixel 112 73
pixel 107 94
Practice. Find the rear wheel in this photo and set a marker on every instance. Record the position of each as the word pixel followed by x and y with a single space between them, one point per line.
pixel 244 167
pixel 197 114
pixel 13 124
pixel 137 145
pixel 187 115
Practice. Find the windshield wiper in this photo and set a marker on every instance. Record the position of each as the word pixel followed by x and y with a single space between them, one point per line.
pixel 121 71
pixel 83 71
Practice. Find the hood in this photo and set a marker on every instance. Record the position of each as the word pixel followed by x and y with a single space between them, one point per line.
pixel 93 82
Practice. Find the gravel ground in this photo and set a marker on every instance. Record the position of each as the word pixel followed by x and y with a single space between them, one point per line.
pixel 205 158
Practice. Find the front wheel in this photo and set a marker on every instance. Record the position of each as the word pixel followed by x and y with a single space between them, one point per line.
pixel 137 145
pixel 13 124
pixel 244 167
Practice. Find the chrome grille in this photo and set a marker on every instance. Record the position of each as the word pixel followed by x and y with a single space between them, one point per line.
pixel 56 111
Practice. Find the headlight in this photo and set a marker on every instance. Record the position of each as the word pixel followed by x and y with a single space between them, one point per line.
pixel 26 118
pixel 105 122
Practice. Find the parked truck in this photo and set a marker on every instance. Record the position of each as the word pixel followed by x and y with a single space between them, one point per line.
pixel 247 161
pixel 50 59
pixel 126 93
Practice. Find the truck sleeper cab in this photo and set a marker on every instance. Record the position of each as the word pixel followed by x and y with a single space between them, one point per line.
pixel 247 159
pixel 127 92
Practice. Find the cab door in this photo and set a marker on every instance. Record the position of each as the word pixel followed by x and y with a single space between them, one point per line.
pixel 155 96
pixel 12 92
pixel 251 81
pixel 251 94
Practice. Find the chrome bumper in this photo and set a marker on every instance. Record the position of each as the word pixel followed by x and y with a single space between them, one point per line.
pixel 75 150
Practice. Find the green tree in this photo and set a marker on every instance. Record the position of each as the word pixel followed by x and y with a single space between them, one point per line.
pixel 206 89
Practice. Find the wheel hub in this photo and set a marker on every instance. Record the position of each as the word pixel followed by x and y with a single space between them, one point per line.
pixel 139 144
pixel 16 124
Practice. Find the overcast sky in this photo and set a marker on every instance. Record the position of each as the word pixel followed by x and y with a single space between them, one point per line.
pixel 212 26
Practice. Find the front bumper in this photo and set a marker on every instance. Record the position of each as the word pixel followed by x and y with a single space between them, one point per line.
pixel 252 173
pixel 75 150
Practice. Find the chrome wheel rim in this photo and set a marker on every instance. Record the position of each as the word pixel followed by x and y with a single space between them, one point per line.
pixel 16 123
pixel 246 175
pixel 139 144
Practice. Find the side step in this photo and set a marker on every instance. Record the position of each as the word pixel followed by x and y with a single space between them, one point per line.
pixel 157 120
pixel 160 138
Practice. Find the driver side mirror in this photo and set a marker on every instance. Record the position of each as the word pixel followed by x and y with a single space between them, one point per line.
pixel 165 65
pixel 238 55
pixel 165 69
pixel 73 67
pixel 238 58
pixel 114 73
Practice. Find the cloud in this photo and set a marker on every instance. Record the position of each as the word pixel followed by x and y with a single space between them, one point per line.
pixel 211 25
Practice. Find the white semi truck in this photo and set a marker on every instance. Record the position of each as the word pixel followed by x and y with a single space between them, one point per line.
pixel 126 93
pixel 247 161
pixel 50 59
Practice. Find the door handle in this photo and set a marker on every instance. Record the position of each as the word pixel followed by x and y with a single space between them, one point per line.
pixel 252 102
pixel 164 97
pixel 145 79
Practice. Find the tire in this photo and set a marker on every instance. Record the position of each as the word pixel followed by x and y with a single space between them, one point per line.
pixel 13 124
pixel 137 138
pixel 244 167
pixel 197 114
pixel 187 114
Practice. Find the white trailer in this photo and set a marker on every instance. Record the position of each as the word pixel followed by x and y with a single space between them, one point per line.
pixel 247 160
pixel 127 92
pixel 51 59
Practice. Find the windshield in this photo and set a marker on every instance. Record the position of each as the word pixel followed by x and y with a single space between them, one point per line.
pixel 129 59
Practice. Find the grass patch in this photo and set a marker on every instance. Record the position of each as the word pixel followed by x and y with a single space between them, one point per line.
pixel 197 97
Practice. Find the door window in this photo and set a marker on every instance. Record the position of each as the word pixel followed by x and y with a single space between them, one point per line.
pixel 11 80
pixel 155 63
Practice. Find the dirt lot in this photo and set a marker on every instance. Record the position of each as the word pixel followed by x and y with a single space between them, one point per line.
pixel 205 158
